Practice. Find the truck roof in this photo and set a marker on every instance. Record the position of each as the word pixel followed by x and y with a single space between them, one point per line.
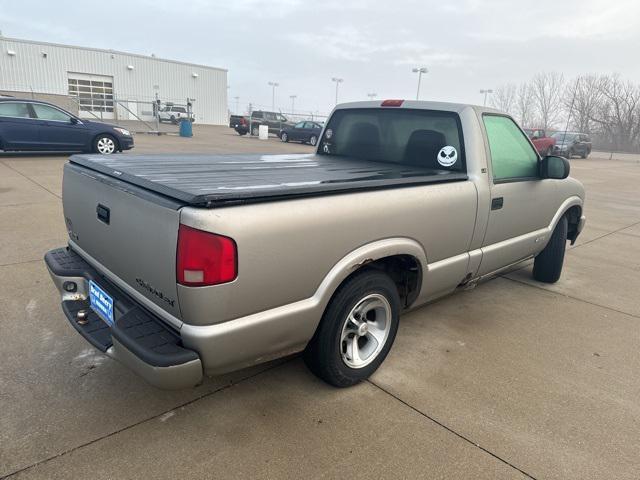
pixel 210 180
pixel 418 104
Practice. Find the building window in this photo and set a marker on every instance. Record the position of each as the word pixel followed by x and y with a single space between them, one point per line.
pixel 92 95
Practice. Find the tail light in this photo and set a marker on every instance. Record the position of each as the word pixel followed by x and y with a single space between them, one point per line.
pixel 205 258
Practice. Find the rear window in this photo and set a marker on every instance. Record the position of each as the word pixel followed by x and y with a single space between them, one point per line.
pixel 419 138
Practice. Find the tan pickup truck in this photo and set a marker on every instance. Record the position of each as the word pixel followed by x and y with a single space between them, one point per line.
pixel 181 266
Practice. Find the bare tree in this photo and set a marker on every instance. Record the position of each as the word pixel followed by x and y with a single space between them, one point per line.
pixel 504 98
pixel 583 97
pixel 524 108
pixel 548 93
pixel 618 113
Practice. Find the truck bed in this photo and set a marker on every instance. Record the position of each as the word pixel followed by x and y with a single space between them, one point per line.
pixel 212 180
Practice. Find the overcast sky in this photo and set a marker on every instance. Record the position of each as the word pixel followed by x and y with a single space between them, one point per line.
pixel 301 44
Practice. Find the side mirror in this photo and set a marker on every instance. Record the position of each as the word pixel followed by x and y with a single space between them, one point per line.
pixel 73 121
pixel 554 167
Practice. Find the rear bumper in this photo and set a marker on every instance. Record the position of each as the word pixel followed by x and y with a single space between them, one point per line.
pixel 137 338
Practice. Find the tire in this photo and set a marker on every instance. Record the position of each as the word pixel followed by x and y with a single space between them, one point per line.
pixel 241 133
pixel 585 154
pixel 173 120
pixel 105 144
pixel 547 265
pixel 284 137
pixel 313 140
pixel 255 130
pixel 330 354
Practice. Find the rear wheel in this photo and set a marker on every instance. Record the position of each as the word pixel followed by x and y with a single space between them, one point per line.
pixel 284 137
pixel 313 140
pixel 357 330
pixel 105 144
pixel 547 265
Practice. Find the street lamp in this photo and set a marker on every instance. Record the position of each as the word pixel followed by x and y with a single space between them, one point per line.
pixel 419 71
pixel 485 92
pixel 372 95
pixel 273 86
pixel 338 82
pixel 293 102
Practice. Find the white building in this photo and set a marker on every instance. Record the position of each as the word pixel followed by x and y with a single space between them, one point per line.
pixel 109 84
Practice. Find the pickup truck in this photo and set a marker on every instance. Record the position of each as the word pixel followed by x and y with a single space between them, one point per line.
pixel 181 266
pixel 544 144
pixel 175 113
pixel 251 124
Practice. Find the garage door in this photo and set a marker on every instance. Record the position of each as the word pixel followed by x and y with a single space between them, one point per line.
pixel 94 94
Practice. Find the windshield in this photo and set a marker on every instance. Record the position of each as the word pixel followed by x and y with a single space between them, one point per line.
pixel 422 138
pixel 562 136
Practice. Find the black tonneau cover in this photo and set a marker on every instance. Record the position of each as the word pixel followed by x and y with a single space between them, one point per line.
pixel 210 180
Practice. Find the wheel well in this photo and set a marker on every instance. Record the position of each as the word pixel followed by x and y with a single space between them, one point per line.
pixel 404 270
pixel 573 218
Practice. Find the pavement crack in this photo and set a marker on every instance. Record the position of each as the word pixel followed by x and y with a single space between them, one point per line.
pixel 149 419
pixel 521 282
pixel 451 430
pixel 30 179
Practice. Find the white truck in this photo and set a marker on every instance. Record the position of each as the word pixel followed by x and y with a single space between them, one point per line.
pixel 175 113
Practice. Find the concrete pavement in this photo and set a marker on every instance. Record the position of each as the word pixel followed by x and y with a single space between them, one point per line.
pixel 514 379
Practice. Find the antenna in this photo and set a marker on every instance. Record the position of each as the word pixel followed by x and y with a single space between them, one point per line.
pixel 573 99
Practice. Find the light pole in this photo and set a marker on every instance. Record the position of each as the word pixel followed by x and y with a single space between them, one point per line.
pixel 372 95
pixel 338 82
pixel 273 86
pixel 237 99
pixel 419 71
pixel 485 92
pixel 293 102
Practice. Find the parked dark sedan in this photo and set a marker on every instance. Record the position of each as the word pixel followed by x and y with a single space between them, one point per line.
pixel 35 125
pixel 305 132
pixel 569 144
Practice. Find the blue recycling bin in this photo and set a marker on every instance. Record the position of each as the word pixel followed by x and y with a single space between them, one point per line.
pixel 186 128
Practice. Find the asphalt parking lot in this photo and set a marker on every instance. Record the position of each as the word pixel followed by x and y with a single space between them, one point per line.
pixel 513 379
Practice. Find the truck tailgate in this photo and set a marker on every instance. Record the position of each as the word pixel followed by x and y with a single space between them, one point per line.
pixel 128 231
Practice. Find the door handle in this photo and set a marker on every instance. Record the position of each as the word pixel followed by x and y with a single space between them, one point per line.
pixel 496 203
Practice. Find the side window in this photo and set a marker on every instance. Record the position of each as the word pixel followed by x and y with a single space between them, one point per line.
pixel 310 125
pixel 512 156
pixel 299 125
pixel 14 109
pixel 256 114
pixel 45 112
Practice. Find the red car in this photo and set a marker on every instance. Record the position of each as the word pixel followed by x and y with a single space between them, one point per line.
pixel 543 144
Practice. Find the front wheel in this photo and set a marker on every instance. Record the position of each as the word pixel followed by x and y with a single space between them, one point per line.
pixel 105 144
pixel 284 137
pixel 547 265
pixel 357 330
pixel 313 140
